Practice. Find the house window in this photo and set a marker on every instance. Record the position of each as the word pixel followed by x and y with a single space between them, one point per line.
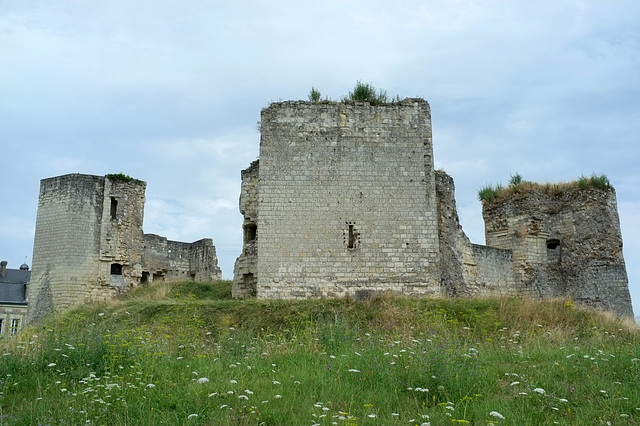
pixel 116 269
pixel 114 207
pixel 15 326
pixel 1 325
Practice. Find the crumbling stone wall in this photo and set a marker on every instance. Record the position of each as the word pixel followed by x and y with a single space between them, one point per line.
pixel 346 200
pixel 564 243
pixel 89 245
pixel 468 269
pixel 246 267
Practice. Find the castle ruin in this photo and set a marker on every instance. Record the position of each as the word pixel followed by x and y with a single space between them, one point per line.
pixel 89 244
pixel 344 200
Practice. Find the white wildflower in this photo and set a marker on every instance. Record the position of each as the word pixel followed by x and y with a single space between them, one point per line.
pixel 275 382
pixel 514 383
pixel 496 414
pixel 53 364
pixel 372 416
pixel 539 390
pixel 245 397
pixel 192 416
pixel 202 380
pixel 353 370
pixel 278 396
pixel 233 382
pixel 151 385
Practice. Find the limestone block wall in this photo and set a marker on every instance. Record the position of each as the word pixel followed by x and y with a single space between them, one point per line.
pixel 89 244
pixel 66 254
pixel 566 243
pixel 347 200
pixel 245 268
pixel 468 269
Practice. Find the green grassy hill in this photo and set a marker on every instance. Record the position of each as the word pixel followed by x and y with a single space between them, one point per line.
pixel 187 354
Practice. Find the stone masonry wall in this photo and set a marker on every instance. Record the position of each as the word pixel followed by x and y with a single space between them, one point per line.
pixel 245 268
pixel 89 245
pixel 468 269
pixel 564 244
pixel 66 254
pixel 346 200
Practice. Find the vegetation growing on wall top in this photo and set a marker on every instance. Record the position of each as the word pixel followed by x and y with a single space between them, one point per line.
pixel 362 92
pixel 517 185
pixel 122 177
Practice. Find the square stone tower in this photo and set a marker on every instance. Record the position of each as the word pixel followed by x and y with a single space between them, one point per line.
pixel 346 202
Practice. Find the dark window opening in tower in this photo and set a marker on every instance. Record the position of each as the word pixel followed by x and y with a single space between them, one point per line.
pixel 114 207
pixel 116 269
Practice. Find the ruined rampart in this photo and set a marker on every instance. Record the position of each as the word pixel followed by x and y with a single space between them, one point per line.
pixel 89 244
pixel 345 201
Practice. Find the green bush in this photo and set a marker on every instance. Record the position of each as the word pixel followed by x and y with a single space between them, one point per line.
pixel 600 181
pixel 314 95
pixel 365 92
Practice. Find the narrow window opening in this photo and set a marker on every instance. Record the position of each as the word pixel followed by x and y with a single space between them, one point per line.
pixel 554 251
pixel 116 269
pixel 114 207
pixel 1 325
pixel 352 238
pixel 250 232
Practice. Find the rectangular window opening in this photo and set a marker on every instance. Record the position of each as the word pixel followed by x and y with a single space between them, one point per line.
pixel 116 269
pixel 352 238
pixel 15 325
pixel 114 207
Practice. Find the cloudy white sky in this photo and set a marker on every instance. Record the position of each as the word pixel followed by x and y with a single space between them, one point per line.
pixel 170 92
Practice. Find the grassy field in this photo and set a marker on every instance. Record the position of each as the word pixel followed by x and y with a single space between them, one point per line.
pixel 188 354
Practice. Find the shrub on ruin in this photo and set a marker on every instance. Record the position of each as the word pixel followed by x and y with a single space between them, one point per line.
pixel 314 95
pixel 366 92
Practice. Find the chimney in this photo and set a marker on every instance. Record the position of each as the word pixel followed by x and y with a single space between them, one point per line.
pixel 3 268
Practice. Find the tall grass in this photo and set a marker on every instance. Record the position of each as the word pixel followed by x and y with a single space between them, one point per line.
pixel 188 354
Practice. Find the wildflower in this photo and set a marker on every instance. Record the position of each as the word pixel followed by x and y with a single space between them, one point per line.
pixel 275 382
pixel 245 397
pixel 395 414
pixel 233 382
pixel 212 394
pixel 151 385
pixel 223 406
pixel 53 364
pixel 514 383
pixel 192 416
pixel 372 416
pixel 202 380
pixel 353 370
pixel 539 390
pixel 496 414
pixel 278 396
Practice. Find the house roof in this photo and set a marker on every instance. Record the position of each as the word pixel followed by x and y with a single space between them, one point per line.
pixel 13 286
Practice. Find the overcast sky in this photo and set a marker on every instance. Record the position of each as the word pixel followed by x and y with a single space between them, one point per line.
pixel 170 92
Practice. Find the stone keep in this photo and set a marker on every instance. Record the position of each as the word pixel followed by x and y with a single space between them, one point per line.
pixel 89 244
pixel 344 200
pixel 345 203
